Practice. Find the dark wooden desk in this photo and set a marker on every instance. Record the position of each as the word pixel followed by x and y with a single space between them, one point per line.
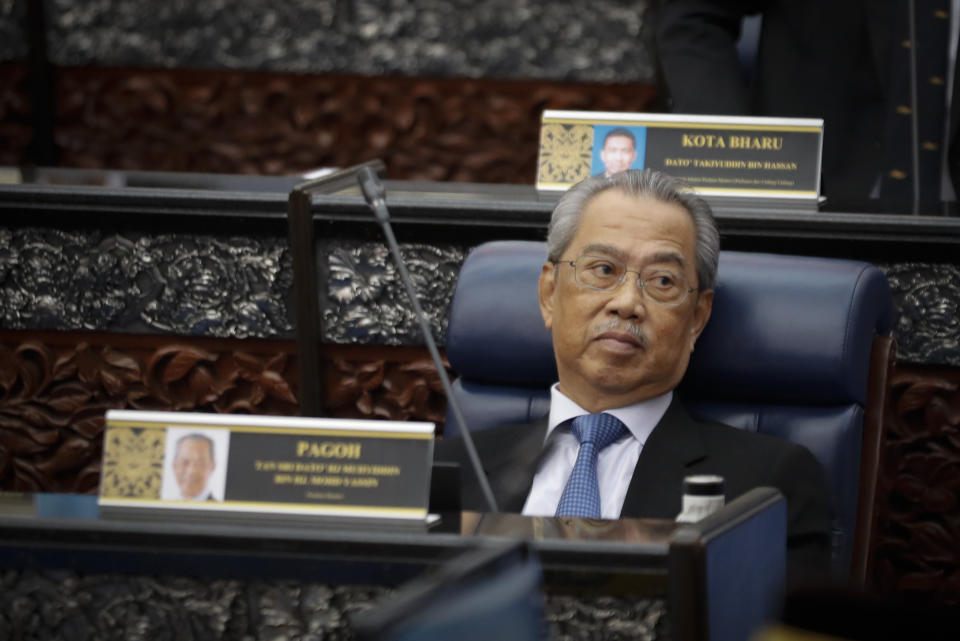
pixel 610 579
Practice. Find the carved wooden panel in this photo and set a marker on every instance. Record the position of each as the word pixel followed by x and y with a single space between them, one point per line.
pixel 145 282
pixel 399 384
pixel 70 605
pixel 496 38
pixel 116 607
pixel 918 547
pixel 241 122
pixel 56 387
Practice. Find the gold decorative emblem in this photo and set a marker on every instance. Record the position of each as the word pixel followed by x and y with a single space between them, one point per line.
pixel 565 153
pixel 132 462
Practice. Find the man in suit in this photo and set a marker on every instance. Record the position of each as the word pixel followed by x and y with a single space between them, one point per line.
pixel 193 465
pixel 626 291
pixel 841 60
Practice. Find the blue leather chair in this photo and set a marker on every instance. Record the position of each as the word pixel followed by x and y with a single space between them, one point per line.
pixel 797 347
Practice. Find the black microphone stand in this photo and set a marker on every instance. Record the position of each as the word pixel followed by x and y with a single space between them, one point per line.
pixel 375 196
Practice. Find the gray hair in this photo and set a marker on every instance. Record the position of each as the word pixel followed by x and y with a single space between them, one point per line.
pixel 639 183
pixel 196 436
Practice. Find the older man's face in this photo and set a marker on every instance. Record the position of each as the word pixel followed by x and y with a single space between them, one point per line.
pixel 618 347
pixel 618 154
pixel 192 466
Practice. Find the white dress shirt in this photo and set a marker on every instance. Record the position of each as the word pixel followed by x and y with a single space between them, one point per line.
pixel 615 463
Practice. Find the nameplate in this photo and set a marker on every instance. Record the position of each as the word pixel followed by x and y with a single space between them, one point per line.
pixel 716 155
pixel 215 463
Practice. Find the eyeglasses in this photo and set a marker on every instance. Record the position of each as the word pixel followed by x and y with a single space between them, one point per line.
pixel 606 274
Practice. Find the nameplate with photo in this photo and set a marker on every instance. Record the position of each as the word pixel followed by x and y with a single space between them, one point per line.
pixel 735 156
pixel 237 467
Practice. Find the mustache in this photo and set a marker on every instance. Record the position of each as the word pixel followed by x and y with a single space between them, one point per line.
pixel 622 326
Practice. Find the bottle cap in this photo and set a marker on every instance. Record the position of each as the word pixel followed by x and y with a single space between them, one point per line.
pixel 703 485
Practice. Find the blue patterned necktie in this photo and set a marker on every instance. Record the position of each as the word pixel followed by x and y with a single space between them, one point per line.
pixel 581 496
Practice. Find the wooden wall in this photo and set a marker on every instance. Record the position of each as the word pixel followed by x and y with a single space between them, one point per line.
pixel 468 130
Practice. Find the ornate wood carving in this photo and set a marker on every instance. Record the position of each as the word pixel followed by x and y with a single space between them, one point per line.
pixel 54 393
pixel 173 283
pixel 56 387
pixel 364 384
pixel 919 519
pixel 927 297
pixel 366 302
pixel 242 122
pixel 423 38
pixel 71 605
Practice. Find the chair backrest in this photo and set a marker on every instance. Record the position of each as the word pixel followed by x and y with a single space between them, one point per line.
pixel 795 348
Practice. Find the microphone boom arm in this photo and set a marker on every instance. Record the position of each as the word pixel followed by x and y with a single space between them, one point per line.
pixel 375 196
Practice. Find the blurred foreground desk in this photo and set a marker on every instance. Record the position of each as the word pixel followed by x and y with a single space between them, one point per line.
pixel 65 573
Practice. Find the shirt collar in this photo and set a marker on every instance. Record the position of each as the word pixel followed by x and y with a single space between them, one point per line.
pixel 640 418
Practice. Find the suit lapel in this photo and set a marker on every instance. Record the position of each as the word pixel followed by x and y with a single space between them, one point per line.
pixel 657 481
pixel 510 461
pixel 511 454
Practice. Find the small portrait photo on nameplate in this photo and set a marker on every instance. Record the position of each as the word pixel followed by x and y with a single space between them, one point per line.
pixel 239 468
pixel 195 466
pixel 617 148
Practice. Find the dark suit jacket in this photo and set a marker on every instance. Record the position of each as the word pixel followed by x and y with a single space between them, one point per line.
pixel 678 446
pixel 825 59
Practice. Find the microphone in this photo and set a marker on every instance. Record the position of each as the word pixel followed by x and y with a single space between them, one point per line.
pixel 375 195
